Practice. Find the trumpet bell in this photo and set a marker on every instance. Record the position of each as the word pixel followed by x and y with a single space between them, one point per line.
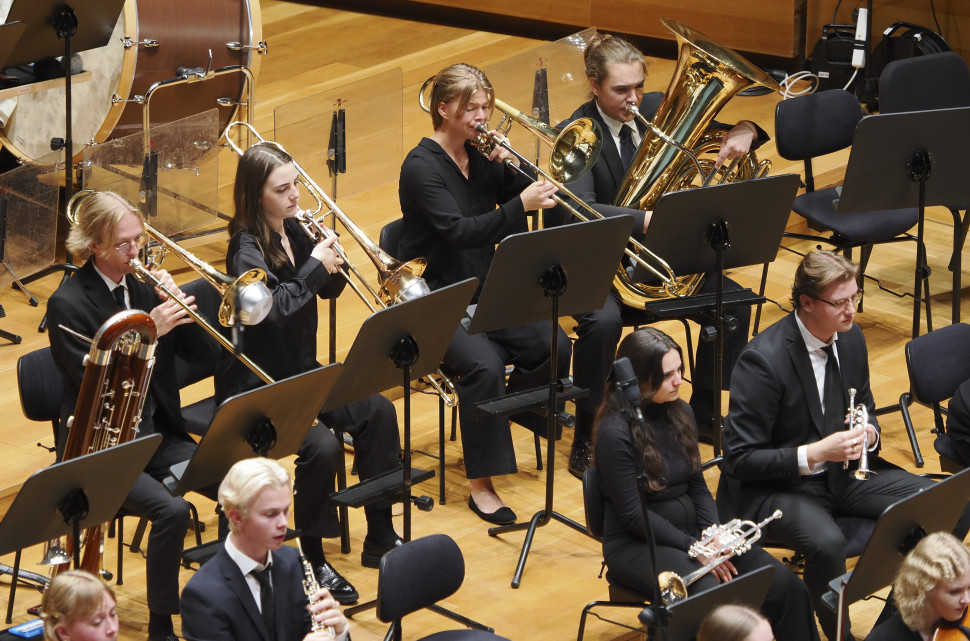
pixel 247 300
pixel 672 587
pixel 575 150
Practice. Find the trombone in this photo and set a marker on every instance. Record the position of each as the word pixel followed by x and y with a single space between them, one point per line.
pixel 400 281
pixel 249 288
pixel 575 149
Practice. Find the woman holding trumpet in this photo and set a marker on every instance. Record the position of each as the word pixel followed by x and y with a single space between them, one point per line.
pixel 664 448
pixel 457 206
pixel 265 234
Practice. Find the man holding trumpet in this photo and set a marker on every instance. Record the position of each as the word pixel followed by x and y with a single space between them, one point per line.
pixel 785 437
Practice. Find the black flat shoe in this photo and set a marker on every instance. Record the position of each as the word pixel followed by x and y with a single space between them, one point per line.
pixel 579 455
pixel 340 588
pixel 371 556
pixel 501 516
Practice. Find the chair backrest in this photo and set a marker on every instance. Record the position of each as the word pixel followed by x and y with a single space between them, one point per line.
pixel 593 503
pixel 938 362
pixel 40 385
pixel 207 301
pixel 816 124
pixel 391 235
pixel 934 81
pixel 418 574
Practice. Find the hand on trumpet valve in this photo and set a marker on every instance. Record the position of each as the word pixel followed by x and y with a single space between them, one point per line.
pixel 326 251
pixel 538 195
pixel 326 613
pixel 725 571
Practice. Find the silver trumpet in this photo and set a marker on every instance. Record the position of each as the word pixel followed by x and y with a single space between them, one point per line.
pixel 859 417
pixel 718 542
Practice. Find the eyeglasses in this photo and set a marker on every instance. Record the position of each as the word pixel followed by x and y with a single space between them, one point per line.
pixel 138 243
pixel 843 305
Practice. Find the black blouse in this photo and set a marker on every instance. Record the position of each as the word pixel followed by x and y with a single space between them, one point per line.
pixel 617 465
pixel 453 221
pixel 285 342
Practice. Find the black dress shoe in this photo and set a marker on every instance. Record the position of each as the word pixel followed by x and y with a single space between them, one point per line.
pixel 340 588
pixel 371 556
pixel 502 516
pixel 579 456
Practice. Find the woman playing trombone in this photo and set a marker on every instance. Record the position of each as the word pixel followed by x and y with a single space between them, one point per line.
pixel 265 234
pixel 457 206
pixel 680 505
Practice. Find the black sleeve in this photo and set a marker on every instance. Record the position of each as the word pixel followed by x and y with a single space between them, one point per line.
pixel 617 467
pixel 424 187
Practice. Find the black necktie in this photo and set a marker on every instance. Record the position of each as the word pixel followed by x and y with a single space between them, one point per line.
pixel 119 294
pixel 835 407
pixel 266 600
pixel 627 149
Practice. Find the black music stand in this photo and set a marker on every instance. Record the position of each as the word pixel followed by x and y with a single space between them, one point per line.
pixel 537 276
pixel 10 34
pixel 898 529
pixel 749 589
pixel 911 159
pixel 265 421
pixel 70 496
pixel 747 218
pixel 393 347
pixel 48 22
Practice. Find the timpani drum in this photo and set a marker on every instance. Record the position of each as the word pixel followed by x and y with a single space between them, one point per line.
pixel 104 107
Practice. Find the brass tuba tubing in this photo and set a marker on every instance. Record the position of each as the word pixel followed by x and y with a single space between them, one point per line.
pixel 400 280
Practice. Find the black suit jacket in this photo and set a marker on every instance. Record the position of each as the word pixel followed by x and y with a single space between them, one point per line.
pixel 83 303
pixel 598 187
pixel 775 408
pixel 217 604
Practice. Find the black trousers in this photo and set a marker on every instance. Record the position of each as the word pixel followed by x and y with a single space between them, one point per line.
pixel 598 333
pixel 787 606
pixel 377 448
pixel 169 516
pixel 479 361
pixel 808 526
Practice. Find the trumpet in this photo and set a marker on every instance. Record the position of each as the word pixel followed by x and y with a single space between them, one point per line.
pixel 859 417
pixel 242 289
pixel 719 543
pixel 400 281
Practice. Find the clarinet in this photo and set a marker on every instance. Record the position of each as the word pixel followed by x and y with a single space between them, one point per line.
pixel 311 587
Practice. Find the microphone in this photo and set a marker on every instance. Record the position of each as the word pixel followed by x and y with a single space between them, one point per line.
pixel 627 393
pixel 859 47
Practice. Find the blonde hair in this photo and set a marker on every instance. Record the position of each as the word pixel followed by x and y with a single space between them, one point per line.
pixel 459 81
pixel 605 49
pixel 937 557
pixel 246 479
pixel 97 216
pixel 729 623
pixel 71 595
pixel 818 271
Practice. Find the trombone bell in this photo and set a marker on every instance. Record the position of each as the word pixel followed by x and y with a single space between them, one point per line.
pixel 247 300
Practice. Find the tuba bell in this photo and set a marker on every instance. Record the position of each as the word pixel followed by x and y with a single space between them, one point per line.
pixel 706 76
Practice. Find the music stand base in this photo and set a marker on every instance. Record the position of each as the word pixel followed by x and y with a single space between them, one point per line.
pixel 539 519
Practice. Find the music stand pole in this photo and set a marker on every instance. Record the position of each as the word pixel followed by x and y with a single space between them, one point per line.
pixel 531 269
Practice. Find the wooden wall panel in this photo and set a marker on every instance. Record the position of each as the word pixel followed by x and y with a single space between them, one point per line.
pixel 744 25
pixel 562 11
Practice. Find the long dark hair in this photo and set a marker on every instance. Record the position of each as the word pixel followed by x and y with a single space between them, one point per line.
pixel 646 349
pixel 253 170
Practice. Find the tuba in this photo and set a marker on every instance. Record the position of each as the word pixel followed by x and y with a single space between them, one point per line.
pixel 707 75
pixel 117 370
